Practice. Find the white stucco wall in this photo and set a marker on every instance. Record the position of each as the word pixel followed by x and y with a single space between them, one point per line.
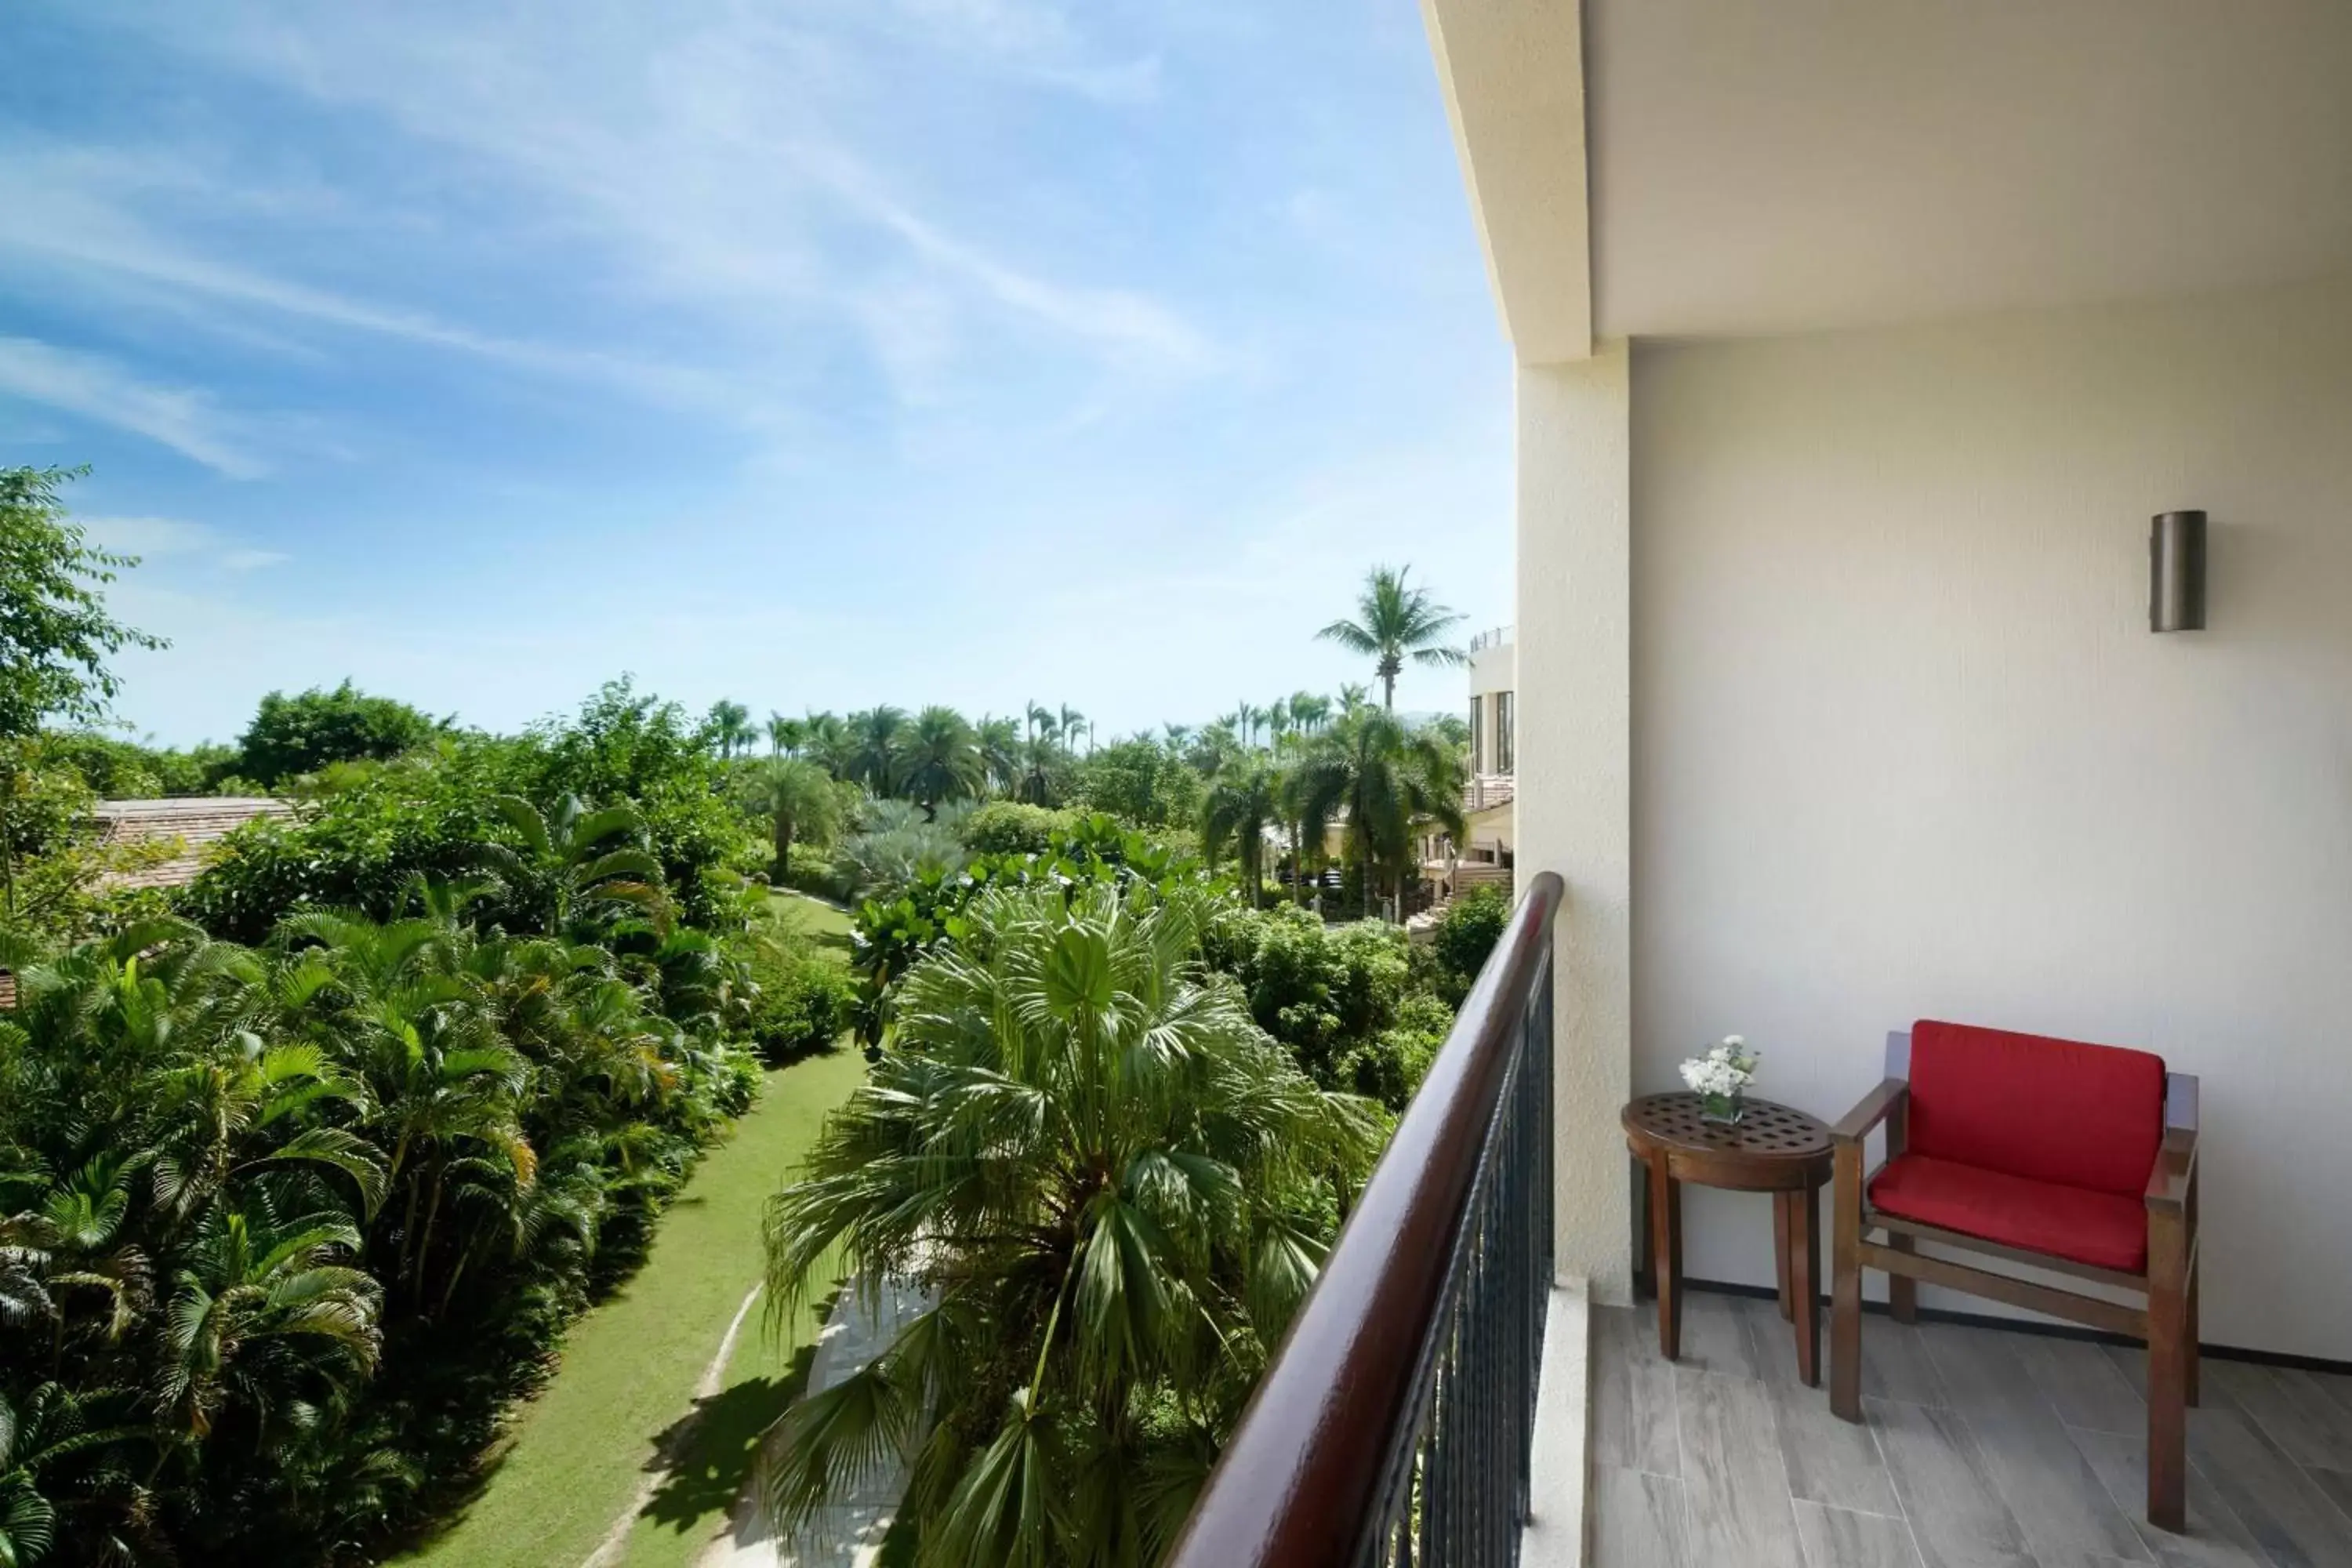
pixel 1904 745
pixel 1575 774
pixel 1493 668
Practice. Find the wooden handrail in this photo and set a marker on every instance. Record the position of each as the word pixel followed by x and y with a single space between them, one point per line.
pixel 1303 1470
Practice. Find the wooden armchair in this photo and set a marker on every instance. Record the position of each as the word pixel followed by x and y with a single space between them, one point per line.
pixel 2072 1158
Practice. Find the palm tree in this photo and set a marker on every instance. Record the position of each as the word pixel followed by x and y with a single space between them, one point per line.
pixel 1000 752
pixel 1378 778
pixel 827 739
pixel 1241 802
pixel 942 761
pixel 1395 623
pixel 797 797
pixel 252 1285
pixel 785 735
pixel 1041 720
pixel 1353 699
pixel 729 726
pixel 576 868
pixel 878 738
pixel 1043 764
pixel 1066 724
pixel 1116 1189
pixel 1309 712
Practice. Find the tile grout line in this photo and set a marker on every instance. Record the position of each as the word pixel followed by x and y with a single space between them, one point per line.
pixel 1910 1528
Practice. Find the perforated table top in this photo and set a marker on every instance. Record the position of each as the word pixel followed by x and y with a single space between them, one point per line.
pixel 1767 1131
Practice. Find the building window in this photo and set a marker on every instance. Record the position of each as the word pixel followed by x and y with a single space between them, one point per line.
pixel 1477 734
pixel 1503 747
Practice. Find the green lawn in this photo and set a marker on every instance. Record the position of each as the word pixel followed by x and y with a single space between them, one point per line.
pixel 829 925
pixel 623 1395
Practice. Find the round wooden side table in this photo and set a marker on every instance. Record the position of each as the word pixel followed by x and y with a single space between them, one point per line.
pixel 1771 1149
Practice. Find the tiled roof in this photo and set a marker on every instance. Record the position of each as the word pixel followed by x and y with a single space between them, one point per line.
pixel 199 822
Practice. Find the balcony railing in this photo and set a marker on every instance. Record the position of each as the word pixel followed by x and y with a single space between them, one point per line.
pixel 1392 1428
pixel 1495 636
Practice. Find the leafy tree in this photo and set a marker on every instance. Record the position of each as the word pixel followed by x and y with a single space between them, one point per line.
pixel 1465 936
pixel 1140 782
pixel 1243 801
pixel 56 634
pixel 1395 622
pixel 798 800
pixel 306 732
pixel 1379 779
pixel 1118 1189
pixel 942 761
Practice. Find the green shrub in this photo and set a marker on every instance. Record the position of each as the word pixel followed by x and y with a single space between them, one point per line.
pixel 1465 935
pixel 815 872
pixel 1013 827
pixel 805 1002
pixel 1326 991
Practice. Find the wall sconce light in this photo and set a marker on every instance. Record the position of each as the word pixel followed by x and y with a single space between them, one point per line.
pixel 2176 571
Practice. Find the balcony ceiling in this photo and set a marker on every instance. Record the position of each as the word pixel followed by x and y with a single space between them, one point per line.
pixel 1819 163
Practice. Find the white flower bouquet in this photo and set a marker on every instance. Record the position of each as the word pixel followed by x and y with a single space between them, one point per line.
pixel 1720 1078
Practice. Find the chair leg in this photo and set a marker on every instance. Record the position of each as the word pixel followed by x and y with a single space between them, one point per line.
pixel 1845 1289
pixel 1902 1291
pixel 2168 1372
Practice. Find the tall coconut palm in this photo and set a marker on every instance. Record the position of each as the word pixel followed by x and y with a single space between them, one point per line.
pixel 798 800
pixel 880 742
pixel 1067 723
pixel 1116 1189
pixel 941 761
pixel 1243 801
pixel 1353 697
pixel 1000 752
pixel 1379 779
pixel 729 727
pixel 785 735
pixel 1040 721
pixel 1396 622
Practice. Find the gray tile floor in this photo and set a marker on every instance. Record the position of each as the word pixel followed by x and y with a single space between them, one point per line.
pixel 1982 1449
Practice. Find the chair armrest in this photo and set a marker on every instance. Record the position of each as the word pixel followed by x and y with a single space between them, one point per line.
pixel 1873 1109
pixel 2175 1171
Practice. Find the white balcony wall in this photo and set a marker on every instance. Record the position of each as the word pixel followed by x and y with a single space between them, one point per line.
pixel 1902 744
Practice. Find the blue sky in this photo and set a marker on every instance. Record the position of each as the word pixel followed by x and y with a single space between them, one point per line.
pixel 813 352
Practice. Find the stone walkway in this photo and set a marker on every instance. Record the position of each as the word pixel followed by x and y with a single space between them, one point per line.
pixel 846 1534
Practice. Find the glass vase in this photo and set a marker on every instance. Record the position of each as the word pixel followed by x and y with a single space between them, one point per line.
pixel 1723 1108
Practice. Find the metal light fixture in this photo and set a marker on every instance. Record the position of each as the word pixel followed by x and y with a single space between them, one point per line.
pixel 2176 571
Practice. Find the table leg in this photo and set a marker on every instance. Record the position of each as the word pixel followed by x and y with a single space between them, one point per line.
pixel 1805 1279
pixel 1780 1253
pixel 1642 1263
pixel 1666 1254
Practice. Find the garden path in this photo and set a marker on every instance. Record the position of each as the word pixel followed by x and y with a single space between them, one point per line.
pixel 846 1534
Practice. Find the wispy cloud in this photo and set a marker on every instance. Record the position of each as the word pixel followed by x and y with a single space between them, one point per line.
pixel 186 419
pixel 165 538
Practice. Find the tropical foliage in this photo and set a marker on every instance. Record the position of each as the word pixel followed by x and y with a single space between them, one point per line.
pixel 1116 1190
pixel 305 1167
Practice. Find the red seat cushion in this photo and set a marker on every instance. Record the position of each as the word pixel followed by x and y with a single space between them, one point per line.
pixel 2094 1227
pixel 2036 1108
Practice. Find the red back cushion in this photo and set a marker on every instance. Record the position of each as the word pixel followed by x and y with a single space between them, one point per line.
pixel 2049 1111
